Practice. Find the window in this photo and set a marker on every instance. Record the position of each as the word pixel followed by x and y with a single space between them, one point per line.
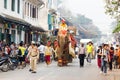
pixel 37 13
pixel 5 4
pixel 18 6
pixel 13 35
pixel 28 9
pixel 25 9
pixel 34 12
pixel 13 5
pixel 19 36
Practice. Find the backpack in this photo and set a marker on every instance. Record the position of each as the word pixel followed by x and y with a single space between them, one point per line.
pixel 19 52
pixel 26 52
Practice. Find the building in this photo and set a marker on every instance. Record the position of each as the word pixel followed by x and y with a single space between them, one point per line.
pixel 11 24
pixel 19 20
pixel 31 14
pixel 52 14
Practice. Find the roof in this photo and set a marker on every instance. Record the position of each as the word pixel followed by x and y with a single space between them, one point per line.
pixel 8 18
pixel 19 21
pixel 35 28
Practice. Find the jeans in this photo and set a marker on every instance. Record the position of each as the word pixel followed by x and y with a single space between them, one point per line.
pixel 41 57
pixel 103 66
pixel 89 57
pixel 81 59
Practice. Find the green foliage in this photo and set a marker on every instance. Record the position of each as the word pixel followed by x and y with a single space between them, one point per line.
pixel 114 2
pixel 117 29
pixel 111 7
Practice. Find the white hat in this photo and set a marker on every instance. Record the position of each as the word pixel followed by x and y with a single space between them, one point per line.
pixel 32 42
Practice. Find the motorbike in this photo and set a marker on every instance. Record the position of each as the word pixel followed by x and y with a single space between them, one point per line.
pixel 3 64
pixel 6 64
pixel 15 62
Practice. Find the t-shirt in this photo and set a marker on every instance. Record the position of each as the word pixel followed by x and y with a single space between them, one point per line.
pixel 41 48
pixel 105 54
pixel 89 48
pixel 82 50
pixel 22 50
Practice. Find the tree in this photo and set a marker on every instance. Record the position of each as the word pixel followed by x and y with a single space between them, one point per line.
pixel 112 8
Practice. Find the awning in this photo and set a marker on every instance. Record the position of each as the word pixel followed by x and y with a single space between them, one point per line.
pixel 38 29
pixel 17 21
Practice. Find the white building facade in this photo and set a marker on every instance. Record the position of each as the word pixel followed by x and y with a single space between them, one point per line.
pixel 31 14
pixel 18 19
pixel 11 10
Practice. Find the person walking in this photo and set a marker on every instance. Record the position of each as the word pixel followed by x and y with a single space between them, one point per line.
pixel 118 55
pixel 21 55
pixel 99 53
pixel 111 54
pixel 48 53
pixel 33 54
pixel 81 55
pixel 104 59
pixel 41 49
pixel 89 50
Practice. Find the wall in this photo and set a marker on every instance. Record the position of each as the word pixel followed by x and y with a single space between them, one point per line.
pixel 43 16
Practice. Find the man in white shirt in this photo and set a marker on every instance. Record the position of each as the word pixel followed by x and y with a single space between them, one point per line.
pixel 104 59
pixel 41 49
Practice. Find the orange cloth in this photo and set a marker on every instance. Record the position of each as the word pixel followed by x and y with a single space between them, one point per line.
pixel 73 40
pixel 63 29
pixel 118 52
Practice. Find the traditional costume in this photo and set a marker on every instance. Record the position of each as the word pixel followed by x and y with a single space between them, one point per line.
pixel 48 53
pixel 63 29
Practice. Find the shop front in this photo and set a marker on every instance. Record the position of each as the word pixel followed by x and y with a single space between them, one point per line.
pixel 13 30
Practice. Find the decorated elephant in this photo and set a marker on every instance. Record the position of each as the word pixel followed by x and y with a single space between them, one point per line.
pixel 64 46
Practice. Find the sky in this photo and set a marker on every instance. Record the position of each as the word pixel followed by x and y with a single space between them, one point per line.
pixel 93 9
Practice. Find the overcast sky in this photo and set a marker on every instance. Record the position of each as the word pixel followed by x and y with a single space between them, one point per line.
pixel 93 9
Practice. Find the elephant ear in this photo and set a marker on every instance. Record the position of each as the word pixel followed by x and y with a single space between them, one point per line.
pixel 71 51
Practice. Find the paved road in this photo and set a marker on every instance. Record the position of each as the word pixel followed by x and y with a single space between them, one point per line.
pixel 53 72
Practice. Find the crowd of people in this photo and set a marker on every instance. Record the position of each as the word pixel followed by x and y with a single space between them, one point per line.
pixel 107 54
pixel 25 53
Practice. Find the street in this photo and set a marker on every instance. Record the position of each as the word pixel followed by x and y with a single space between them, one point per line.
pixel 53 72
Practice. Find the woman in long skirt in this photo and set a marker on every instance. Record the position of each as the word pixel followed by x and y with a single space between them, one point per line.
pixel 48 53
